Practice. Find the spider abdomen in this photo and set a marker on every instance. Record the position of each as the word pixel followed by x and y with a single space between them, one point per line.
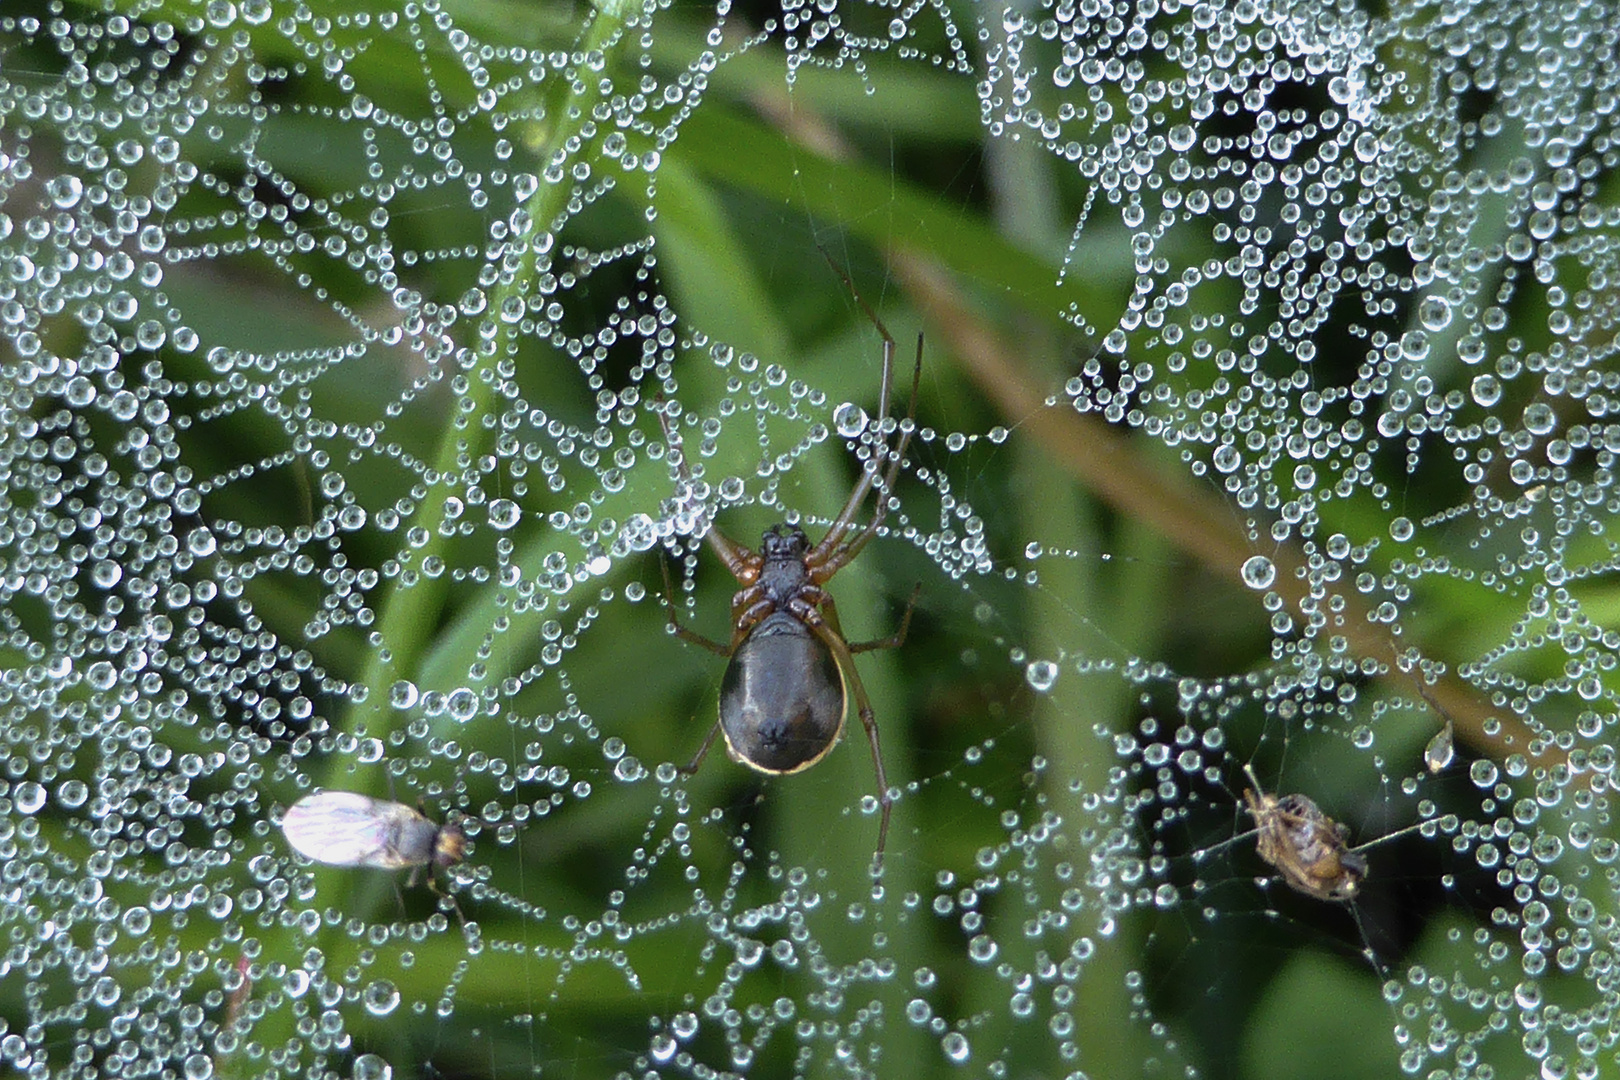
pixel 782 699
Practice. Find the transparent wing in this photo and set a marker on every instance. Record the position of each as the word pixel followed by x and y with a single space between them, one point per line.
pixel 346 829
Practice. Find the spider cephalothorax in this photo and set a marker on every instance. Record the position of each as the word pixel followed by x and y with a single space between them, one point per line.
pixel 784 573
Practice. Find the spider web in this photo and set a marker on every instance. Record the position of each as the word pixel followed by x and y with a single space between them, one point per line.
pixel 1264 422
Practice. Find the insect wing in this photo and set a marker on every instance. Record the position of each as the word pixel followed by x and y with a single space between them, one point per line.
pixel 346 829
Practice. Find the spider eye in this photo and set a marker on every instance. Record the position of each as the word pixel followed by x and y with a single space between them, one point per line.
pixel 783 540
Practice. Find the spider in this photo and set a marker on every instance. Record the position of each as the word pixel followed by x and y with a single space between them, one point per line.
pixel 786 687
pixel 1309 849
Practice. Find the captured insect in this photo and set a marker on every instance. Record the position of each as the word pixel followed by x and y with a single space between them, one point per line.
pixel 343 828
pixel 1309 849
pixel 786 688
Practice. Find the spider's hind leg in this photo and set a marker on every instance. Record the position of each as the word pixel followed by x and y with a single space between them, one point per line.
pixel 863 705
pixel 896 639
pixel 703 751
pixel 696 639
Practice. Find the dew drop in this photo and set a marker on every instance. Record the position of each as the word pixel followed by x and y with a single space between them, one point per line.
pixel 850 420
pixel 1486 389
pixel 381 997
pixel 30 797
pixel 504 514
pixel 462 704
pixel 64 191
pixel 1441 749
pixel 403 694
pixel 1434 313
pixel 1539 418
pixel 1041 674
pixel 1258 572
pixel 372 1067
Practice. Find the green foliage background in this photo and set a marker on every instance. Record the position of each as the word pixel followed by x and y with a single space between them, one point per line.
pixel 875 164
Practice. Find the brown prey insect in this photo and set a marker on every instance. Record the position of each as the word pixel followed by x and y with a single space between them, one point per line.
pixel 1309 849
pixel 786 687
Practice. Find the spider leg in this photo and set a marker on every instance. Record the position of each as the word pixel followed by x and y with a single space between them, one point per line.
pixel 888 342
pixel 898 638
pixel 863 704
pixel 703 751
pixel 697 639
pixel 743 563
pixel 748 607
pixel 680 631
pixel 1386 839
pixel 837 548
pixel 846 517
pixel 1203 853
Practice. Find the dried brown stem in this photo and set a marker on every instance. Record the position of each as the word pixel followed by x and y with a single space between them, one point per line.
pixel 1104 461
pixel 1122 476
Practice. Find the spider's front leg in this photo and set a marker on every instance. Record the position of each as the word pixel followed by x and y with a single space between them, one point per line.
pixel 682 632
pixel 743 563
pixel 748 607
